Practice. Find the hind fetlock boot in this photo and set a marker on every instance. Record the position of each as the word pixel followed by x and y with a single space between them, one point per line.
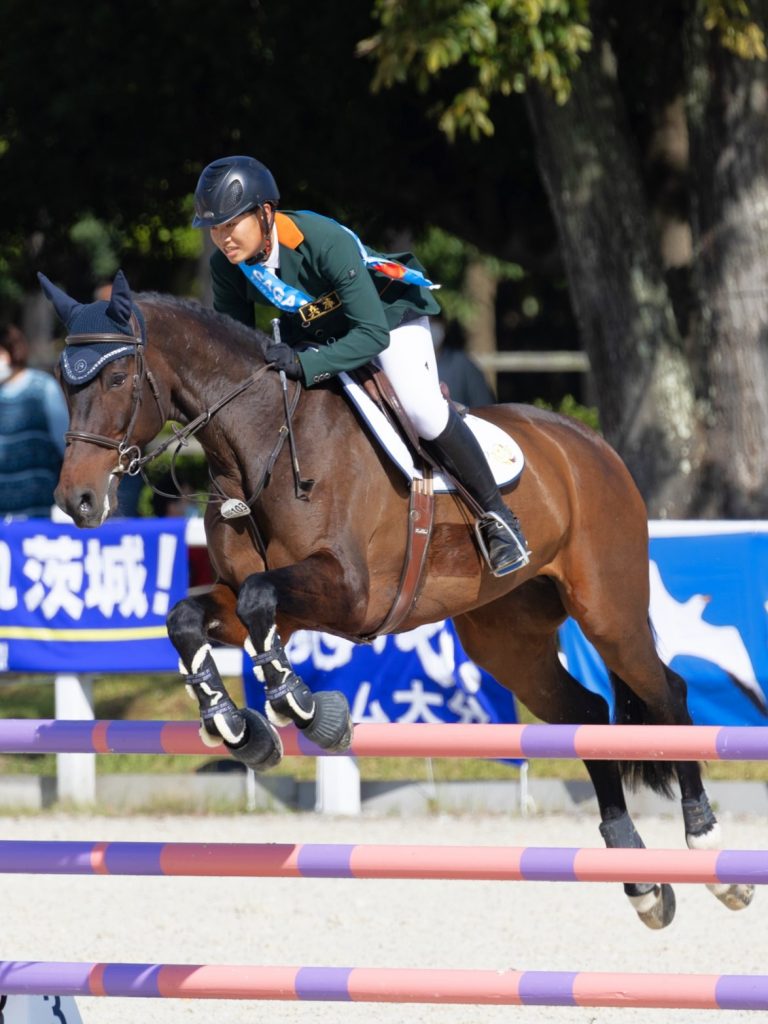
pixel 499 536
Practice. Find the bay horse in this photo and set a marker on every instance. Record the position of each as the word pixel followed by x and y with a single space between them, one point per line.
pixel 330 558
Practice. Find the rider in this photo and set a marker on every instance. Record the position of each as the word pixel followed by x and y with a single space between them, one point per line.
pixel 317 272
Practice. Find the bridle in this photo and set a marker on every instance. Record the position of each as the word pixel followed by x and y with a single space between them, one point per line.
pixel 131 461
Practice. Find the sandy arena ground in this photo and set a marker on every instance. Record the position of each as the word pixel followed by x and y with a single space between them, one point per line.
pixel 340 922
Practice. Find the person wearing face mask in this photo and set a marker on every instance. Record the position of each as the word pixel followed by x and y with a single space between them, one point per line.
pixel 33 419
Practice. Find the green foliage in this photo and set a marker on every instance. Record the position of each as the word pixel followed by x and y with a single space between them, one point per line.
pixel 447 257
pixel 503 43
pixel 180 241
pixel 737 31
pixel 79 143
pixel 568 406
pixel 101 243
pixel 10 292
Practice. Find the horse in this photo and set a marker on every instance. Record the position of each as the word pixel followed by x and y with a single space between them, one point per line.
pixel 326 552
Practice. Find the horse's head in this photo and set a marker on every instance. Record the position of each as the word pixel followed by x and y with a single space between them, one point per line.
pixel 102 371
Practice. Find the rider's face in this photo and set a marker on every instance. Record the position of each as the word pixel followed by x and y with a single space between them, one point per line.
pixel 240 238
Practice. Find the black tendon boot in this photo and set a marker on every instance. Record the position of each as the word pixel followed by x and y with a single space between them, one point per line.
pixel 498 532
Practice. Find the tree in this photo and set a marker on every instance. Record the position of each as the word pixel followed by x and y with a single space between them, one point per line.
pixel 103 134
pixel 114 125
pixel 676 333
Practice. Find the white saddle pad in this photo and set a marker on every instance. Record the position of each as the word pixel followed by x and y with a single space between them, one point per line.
pixel 504 455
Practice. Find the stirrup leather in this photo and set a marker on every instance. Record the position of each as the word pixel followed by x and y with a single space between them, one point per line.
pixel 494 517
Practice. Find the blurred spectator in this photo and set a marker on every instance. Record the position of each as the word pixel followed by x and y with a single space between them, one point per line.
pixel 173 502
pixel 462 377
pixel 33 419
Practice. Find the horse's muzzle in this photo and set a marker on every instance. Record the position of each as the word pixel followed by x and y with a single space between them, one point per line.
pixel 87 508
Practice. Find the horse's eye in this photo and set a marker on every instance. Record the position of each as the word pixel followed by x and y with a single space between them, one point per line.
pixel 118 379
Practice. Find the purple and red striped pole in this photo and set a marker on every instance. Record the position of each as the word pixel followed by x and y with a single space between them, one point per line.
pixel 595 742
pixel 332 860
pixel 387 985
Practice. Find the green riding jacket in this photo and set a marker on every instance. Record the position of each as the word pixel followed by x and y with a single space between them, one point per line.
pixel 322 259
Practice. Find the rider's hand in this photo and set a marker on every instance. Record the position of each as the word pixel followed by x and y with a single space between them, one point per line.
pixel 285 359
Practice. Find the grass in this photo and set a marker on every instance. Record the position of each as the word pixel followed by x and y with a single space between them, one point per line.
pixel 163 697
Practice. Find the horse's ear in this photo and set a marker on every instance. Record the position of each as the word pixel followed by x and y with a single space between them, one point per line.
pixel 120 303
pixel 66 307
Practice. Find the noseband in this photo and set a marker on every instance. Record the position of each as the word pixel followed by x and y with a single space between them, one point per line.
pixel 125 450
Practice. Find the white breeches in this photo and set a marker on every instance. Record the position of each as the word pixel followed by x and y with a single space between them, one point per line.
pixel 411 366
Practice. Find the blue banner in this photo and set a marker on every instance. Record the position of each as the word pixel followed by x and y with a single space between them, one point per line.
pixel 90 600
pixel 423 675
pixel 709 605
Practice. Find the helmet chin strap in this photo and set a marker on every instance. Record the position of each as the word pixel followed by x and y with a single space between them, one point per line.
pixel 266 224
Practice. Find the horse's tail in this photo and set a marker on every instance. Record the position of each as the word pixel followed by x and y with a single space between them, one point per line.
pixel 631 710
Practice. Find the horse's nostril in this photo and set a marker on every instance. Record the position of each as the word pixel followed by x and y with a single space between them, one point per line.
pixel 85 502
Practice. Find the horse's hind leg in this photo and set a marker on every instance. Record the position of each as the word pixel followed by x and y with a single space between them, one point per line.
pixel 295 592
pixel 702 830
pixel 525 659
pixel 648 692
pixel 191 624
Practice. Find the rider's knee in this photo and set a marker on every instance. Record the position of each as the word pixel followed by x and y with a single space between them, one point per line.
pixel 431 418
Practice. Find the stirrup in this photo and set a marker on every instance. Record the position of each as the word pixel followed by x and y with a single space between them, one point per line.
pixel 524 556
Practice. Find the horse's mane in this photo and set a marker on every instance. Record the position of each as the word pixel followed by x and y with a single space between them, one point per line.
pixel 218 326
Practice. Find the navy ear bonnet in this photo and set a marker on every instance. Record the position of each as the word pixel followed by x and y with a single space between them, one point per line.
pixel 82 361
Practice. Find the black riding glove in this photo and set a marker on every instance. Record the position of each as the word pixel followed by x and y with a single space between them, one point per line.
pixel 285 359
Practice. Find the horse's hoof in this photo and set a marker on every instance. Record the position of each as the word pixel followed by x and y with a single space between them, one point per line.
pixel 262 747
pixel 735 897
pixel 655 908
pixel 331 726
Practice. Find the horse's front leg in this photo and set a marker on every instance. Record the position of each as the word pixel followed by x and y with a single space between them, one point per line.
pixel 191 624
pixel 297 593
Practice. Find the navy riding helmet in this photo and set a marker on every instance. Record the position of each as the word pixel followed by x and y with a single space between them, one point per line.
pixel 231 186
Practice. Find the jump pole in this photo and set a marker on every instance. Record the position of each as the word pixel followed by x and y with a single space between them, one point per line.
pixel 593 742
pixel 387 985
pixel 332 860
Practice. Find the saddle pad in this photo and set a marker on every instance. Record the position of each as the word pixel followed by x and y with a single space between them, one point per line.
pixel 504 455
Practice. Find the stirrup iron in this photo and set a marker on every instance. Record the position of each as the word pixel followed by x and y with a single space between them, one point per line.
pixel 493 517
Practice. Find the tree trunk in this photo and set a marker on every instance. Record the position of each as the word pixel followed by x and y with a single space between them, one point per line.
pixel 589 165
pixel 728 128
pixel 480 286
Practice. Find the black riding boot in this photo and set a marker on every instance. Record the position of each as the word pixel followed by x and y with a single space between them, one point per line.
pixel 500 537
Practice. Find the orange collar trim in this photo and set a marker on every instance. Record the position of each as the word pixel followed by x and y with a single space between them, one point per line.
pixel 287 232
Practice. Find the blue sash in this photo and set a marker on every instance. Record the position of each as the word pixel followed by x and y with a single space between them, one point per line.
pixel 288 298
pixel 280 294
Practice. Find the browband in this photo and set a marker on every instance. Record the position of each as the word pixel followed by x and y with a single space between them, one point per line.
pixel 89 339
